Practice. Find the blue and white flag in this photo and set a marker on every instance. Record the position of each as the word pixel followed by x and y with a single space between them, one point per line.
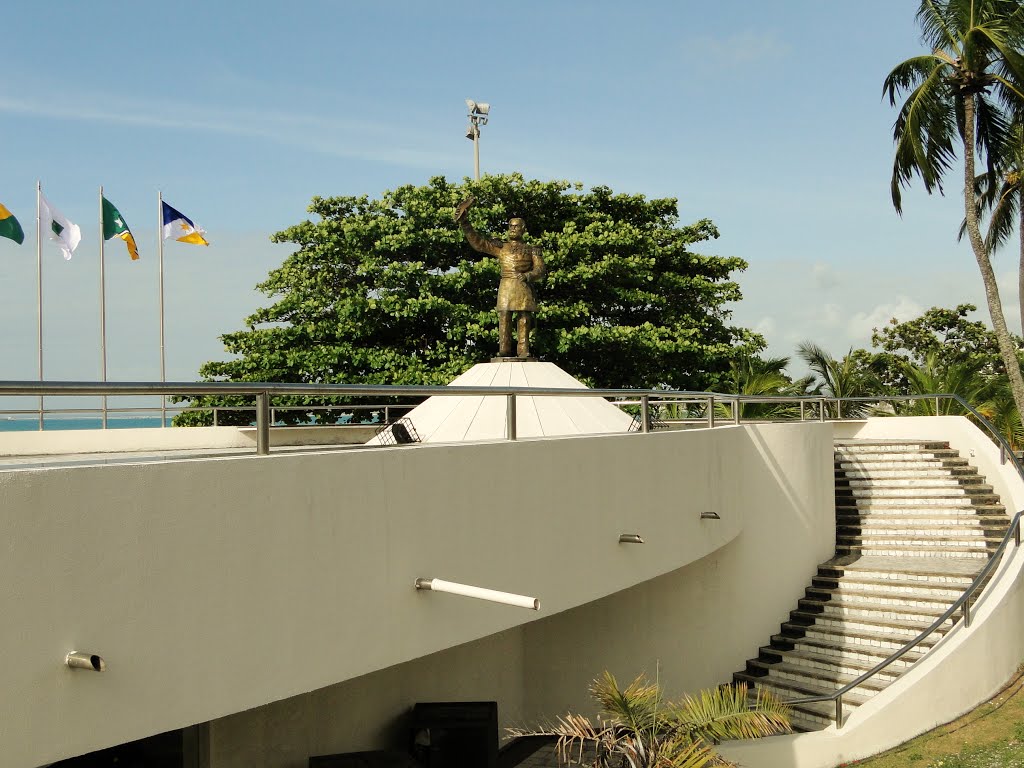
pixel 180 227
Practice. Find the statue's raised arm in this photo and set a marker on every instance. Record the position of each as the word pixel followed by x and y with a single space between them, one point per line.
pixel 521 264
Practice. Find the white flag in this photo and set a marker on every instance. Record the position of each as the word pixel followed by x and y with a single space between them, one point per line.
pixel 63 232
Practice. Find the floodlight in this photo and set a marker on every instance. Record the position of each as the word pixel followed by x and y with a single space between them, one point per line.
pixel 471 105
pixel 483 108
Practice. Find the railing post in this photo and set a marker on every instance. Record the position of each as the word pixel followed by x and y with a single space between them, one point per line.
pixel 645 414
pixel 711 413
pixel 1002 453
pixel 839 409
pixel 1016 533
pixel 510 416
pixel 839 712
pixel 821 409
pixel 216 414
pixel 263 423
pixel 802 403
pixel 967 612
pixel 736 411
pixel 387 414
pixel 936 406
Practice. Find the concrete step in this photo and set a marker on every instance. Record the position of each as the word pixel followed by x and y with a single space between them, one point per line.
pixel 956 491
pixel 953 536
pixel 967 517
pixel 807 717
pixel 967 473
pixel 912 482
pixel 911 506
pixel 950 572
pixel 911 552
pixel 845 593
pixel 841 609
pixel 916 529
pixel 871 445
pixel 901 630
pixel 785 673
pixel 842 649
pixel 875 464
pixel 847 455
pixel 795 689
pixel 889 588
pixel 851 665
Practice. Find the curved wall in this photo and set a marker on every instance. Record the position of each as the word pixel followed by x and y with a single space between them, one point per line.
pixel 215 586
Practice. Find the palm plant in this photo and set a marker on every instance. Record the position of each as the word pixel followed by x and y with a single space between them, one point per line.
pixel 638 729
pixel 755 376
pixel 1001 198
pixel 840 378
pixel 930 377
pixel 962 95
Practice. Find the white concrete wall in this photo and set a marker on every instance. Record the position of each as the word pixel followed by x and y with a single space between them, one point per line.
pixel 699 623
pixel 967 667
pixel 215 586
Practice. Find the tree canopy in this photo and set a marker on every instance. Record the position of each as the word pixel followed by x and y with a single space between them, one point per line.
pixel 387 291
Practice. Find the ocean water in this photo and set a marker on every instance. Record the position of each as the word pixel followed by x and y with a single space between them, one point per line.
pixel 13 424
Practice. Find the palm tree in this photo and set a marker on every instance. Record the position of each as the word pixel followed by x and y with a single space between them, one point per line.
pixel 961 96
pixel 637 728
pixel 840 378
pixel 762 377
pixel 1001 196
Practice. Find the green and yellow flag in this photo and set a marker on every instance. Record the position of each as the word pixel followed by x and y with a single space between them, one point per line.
pixel 114 224
pixel 9 226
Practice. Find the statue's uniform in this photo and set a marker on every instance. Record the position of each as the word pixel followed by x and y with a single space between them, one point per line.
pixel 514 258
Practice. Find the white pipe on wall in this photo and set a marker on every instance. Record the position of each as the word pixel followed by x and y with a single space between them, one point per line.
pixel 466 590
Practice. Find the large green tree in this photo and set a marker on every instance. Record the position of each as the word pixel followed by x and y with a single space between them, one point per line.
pixel 387 291
pixel 961 97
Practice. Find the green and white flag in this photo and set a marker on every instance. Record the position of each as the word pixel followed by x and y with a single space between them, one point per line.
pixel 62 231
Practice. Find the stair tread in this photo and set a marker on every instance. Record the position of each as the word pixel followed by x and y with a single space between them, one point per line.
pixel 837 594
pixel 862 605
pixel 879 653
pixel 800 688
pixel 818 675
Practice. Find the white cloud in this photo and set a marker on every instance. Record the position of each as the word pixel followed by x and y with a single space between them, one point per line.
pixel 325 135
pixel 739 49
pixel 861 324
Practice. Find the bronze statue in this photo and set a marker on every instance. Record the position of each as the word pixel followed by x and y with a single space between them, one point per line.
pixel 520 264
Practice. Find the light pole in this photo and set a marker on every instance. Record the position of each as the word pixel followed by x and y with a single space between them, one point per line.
pixel 478 112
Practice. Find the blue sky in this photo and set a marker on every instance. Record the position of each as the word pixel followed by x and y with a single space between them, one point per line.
pixel 766 117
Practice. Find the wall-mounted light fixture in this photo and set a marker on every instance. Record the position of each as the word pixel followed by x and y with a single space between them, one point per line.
pixel 630 538
pixel 81 660
pixel 710 516
pixel 467 590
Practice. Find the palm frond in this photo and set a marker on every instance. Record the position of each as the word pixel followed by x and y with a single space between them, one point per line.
pixel 723 713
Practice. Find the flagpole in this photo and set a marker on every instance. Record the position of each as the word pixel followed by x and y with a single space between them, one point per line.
pixel 103 312
pixel 39 293
pixel 160 251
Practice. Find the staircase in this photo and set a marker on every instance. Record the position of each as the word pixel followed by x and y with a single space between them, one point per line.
pixel 915 523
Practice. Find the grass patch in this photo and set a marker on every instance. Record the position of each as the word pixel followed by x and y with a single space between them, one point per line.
pixel 990 736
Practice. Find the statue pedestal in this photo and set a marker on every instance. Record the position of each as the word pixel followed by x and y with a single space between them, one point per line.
pixel 514 359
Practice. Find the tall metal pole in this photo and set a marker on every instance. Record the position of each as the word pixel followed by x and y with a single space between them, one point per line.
pixel 476 151
pixel 103 313
pixel 39 291
pixel 160 251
